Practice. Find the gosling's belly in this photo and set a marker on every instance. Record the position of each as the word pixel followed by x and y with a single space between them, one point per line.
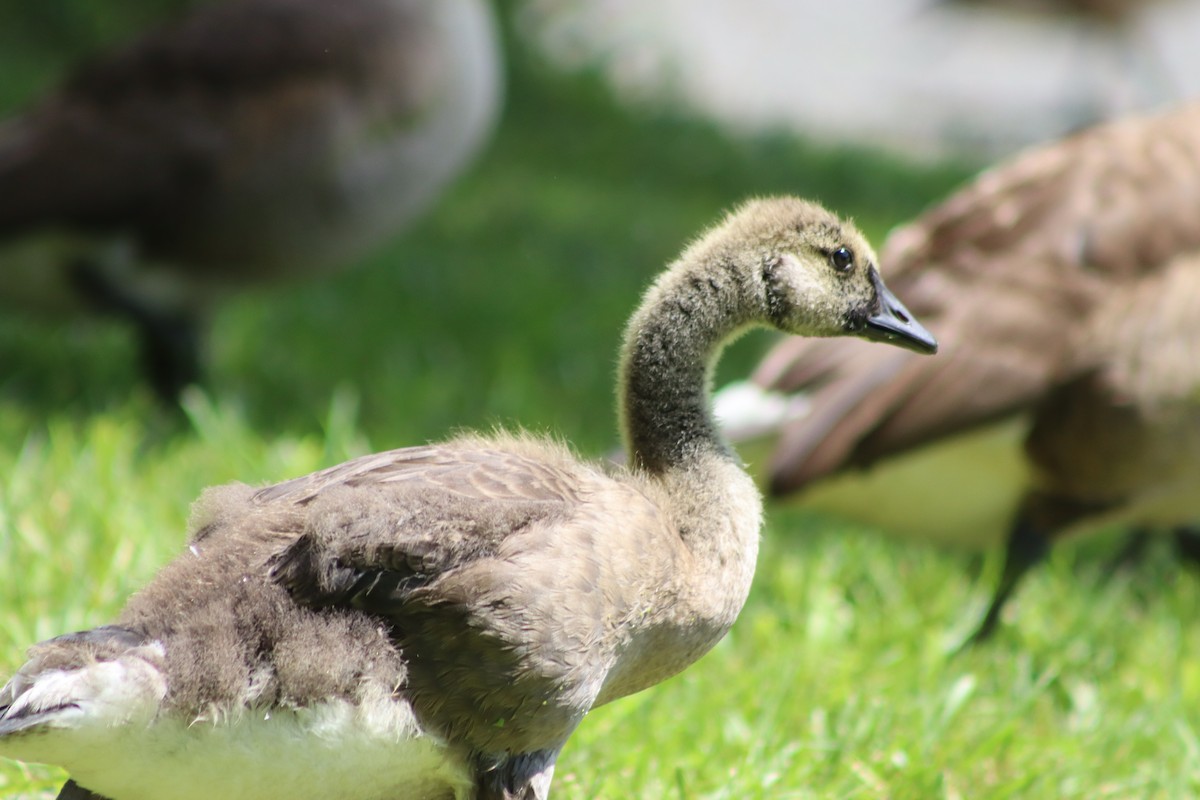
pixel 333 751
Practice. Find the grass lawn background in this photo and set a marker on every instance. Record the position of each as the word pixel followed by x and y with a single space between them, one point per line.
pixel 505 306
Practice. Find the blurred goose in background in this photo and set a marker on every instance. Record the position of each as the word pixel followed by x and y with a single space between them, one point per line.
pixel 1063 286
pixel 434 622
pixel 253 142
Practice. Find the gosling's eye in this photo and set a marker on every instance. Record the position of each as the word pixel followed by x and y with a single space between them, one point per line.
pixel 842 259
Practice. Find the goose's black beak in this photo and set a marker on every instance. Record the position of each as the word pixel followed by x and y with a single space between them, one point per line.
pixel 892 323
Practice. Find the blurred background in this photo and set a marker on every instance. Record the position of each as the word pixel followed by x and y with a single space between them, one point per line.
pixel 926 77
pixel 625 129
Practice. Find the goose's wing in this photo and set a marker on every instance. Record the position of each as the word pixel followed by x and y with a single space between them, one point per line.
pixel 149 130
pixel 1005 273
pixel 476 471
pixel 377 527
pixel 501 573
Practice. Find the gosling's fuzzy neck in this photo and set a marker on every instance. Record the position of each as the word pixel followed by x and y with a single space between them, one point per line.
pixel 671 345
pixel 710 294
pixel 739 274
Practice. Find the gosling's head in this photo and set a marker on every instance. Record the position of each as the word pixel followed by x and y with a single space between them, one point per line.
pixel 819 273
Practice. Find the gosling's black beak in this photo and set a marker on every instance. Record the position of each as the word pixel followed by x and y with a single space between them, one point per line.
pixel 892 323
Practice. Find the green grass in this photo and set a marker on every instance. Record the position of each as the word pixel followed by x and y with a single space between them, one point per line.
pixel 505 306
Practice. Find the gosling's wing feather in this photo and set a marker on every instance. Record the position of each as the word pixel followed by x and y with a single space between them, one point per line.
pixel 503 572
pixel 1003 272
pixel 382 525
pixel 148 129
pixel 482 473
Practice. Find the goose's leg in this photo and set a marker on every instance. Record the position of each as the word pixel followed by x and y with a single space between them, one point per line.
pixel 1185 537
pixel 1187 543
pixel 524 776
pixel 170 341
pixel 1042 516
pixel 1132 552
pixel 1027 546
pixel 73 791
pixel 170 354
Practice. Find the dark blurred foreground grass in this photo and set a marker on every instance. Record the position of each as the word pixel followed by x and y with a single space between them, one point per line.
pixel 505 306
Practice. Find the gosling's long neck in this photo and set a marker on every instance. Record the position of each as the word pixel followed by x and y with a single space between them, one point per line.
pixel 671 346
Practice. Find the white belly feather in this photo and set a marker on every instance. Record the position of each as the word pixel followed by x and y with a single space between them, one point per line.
pixel 112 741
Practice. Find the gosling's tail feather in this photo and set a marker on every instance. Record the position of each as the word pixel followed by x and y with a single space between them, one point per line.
pixel 25 706
pixel 65 676
pixel 26 717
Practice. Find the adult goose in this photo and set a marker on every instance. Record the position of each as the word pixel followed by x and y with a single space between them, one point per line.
pixel 433 622
pixel 252 142
pixel 1063 285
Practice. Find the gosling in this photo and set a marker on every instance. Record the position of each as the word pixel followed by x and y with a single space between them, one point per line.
pixel 434 622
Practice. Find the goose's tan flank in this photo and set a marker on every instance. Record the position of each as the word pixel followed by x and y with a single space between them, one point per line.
pixel 434 622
